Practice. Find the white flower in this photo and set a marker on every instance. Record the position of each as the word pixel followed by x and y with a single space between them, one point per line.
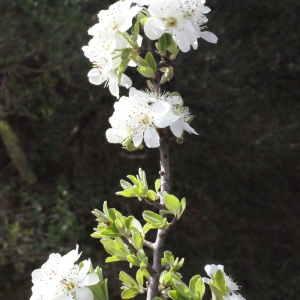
pixel 60 279
pixel 99 75
pixel 211 271
pixel 138 117
pixel 233 297
pixel 180 18
pixel 119 16
pixel 182 122
pixel 231 287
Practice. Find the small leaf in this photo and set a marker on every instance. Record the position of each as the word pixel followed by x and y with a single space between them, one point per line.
pixel 110 232
pixel 152 195
pixel 219 280
pixel 129 293
pixel 137 241
pixel 125 53
pixel 125 185
pixel 146 71
pixel 153 219
pixel 127 193
pixel 157 185
pixel 172 203
pixel 122 67
pixel 133 179
pixel 150 60
pixel 141 62
pixel 176 295
pixel 133 260
pixel 127 279
pixel 140 277
pixel 164 42
pixel 135 30
pixel 199 288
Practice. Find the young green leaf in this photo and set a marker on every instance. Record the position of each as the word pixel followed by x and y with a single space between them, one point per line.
pixel 153 219
pixel 172 203
pixel 150 60
pixel 146 71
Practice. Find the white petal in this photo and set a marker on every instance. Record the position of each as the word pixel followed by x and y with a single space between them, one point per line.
pixel 95 77
pixel 89 279
pixel 151 138
pixel 137 137
pixel 209 37
pixel 188 128
pixel 177 128
pixel 84 293
pixel 182 40
pixel 114 87
pixel 126 81
pixel 154 28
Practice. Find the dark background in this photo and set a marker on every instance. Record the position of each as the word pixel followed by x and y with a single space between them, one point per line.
pixel 241 175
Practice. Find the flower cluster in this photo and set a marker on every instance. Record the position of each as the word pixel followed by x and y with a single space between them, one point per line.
pixel 112 49
pixel 109 40
pixel 59 278
pixel 231 287
pixel 183 19
pixel 139 116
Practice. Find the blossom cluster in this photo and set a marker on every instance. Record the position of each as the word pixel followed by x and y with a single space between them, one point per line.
pixel 231 287
pixel 140 116
pixel 183 19
pixel 59 278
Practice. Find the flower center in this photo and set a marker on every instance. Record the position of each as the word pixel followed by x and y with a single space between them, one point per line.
pixel 144 119
pixel 69 285
pixel 171 22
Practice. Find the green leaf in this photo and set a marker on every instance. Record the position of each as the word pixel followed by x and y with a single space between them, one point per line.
pixel 182 207
pixel 172 203
pixel 133 260
pixel 127 279
pixel 176 295
pixel 127 193
pixel 217 294
pixel 164 42
pixel 193 282
pixel 157 185
pixel 110 232
pixel 129 221
pixel 121 226
pixel 199 288
pixel 153 219
pixel 137 241
pixel 150 60
pixel 125 185
pixel 140 277
pixel 125 53
pixel 135 29
pixel 219 280
pixel 141 62
pixel 142 190
pixel 146 71
pixel 134 180
pixel 152 195
pixel 168 75
pixel 122 67
pixel 129 293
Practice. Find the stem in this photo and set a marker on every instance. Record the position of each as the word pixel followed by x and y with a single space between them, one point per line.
pixel 160 238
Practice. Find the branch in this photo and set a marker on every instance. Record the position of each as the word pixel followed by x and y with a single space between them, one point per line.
pixel 128 244
pixel 154 203
pixel 165 231
pixel 148 244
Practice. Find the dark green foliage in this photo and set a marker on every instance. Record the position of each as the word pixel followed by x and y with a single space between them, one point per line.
pixel 241 176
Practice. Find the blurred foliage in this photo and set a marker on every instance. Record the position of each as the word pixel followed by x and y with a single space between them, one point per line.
pixel 241 176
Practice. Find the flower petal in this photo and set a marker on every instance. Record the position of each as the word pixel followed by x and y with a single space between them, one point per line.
pixel 209 37
pixel 151 138
pixel 154 28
